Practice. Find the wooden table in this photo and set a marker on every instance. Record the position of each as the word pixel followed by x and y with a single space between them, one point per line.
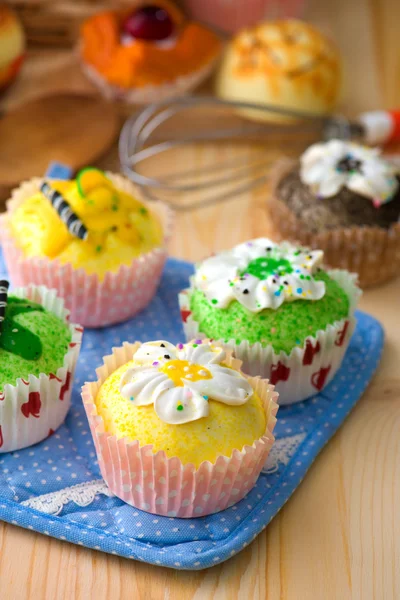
pixel 338 537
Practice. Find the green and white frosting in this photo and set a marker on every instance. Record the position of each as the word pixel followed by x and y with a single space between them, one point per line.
pixel 179 380
pixel 260 274
pixel 330 166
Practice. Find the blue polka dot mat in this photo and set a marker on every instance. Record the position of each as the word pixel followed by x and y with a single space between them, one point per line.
pixel 55 487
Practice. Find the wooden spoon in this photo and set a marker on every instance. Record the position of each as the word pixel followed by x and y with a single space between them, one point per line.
pixel 69 128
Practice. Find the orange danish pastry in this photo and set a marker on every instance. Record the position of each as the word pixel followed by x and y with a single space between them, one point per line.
pixel 147 54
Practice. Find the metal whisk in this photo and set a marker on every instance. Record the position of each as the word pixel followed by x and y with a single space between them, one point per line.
pixel 184 126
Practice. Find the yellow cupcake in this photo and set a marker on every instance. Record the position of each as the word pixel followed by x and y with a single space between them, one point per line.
pixel 120 227
pixel 183 400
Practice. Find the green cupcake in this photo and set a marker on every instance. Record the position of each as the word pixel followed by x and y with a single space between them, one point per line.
pixel 32 341
pixel 38 354
pixel 280 312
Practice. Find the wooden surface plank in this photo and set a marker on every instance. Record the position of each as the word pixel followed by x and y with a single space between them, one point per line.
pixel 338 537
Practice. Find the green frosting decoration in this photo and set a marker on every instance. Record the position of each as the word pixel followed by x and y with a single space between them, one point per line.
pixel 264 267
pixel 33 341
pixel 284 328
pixel 16 338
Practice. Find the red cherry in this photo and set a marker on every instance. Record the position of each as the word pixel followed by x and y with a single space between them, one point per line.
pixel 149 23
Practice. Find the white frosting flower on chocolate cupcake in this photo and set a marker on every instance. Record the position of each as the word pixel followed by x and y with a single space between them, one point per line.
pixel 179 380
pixel 260 274
pixel 328 167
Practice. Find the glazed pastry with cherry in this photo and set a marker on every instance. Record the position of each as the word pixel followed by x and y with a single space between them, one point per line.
pixel 285 316
pixel 147 53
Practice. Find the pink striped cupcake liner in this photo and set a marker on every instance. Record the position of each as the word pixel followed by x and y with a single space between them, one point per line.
pixel 305 371
pixel 91 301
pixel 32 410
pixel 165 486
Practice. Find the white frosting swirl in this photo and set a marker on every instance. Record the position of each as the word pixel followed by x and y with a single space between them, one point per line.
pixel 180 380
pixel 260 274
pixel 329 166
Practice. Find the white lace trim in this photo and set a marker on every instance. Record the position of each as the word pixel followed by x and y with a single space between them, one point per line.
pixel 82 494
pixel 282 451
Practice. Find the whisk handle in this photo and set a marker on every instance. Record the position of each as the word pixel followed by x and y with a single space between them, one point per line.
pixel 380 126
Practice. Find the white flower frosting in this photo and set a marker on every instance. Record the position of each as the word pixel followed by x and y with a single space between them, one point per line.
pixel 260 274
pixel 179 380
pixel 329 166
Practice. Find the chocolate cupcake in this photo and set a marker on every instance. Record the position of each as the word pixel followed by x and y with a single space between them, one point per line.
pixel 344 199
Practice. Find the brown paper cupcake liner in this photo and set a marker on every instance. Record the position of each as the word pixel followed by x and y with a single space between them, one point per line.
pixel 371 252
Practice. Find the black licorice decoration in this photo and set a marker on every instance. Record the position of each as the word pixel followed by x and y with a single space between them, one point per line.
pixel 4 285
pixel 65 212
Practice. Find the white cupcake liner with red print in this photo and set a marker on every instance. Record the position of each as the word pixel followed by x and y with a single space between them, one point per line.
pixel 32 410
pixel 91 301
pixel 165 486
pixel 305 371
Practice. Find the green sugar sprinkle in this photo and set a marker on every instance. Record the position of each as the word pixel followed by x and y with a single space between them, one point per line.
pixel 291 323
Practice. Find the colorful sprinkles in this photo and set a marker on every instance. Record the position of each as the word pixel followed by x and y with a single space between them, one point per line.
pixel 181 396
pixel 267 275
